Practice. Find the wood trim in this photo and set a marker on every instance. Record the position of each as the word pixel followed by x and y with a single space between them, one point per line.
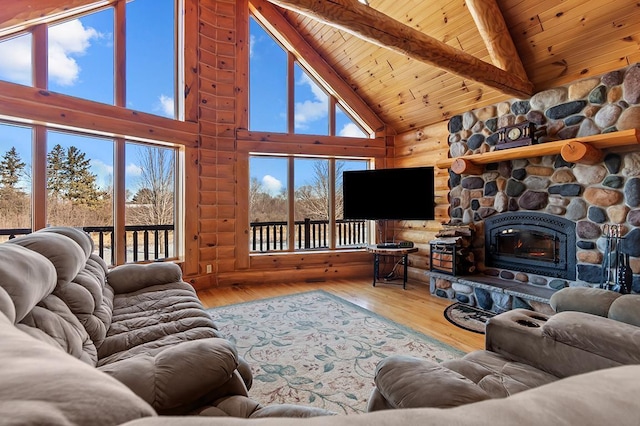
pixel 601 141
pixel 242 66
pixel 242 211
pixel 41 106
pixel 17 15
pixel 493 30
pixel 291 238
pixel 371 25
pixel 291 96
pixel 191 212
pixel 119 186
pixel 39 178
pixel 243 135
pixel 120 53
pixel 310 149
pixel 40 57
pixel 315 64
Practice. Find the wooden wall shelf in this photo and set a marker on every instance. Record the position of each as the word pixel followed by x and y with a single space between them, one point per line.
pixel 585 150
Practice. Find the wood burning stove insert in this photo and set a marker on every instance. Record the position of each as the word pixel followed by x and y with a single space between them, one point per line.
pixel 531 242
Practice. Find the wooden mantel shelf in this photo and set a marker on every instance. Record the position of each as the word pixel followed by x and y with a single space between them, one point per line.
pixel 586 150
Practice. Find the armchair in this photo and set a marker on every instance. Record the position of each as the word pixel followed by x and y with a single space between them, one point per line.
pixel 593 329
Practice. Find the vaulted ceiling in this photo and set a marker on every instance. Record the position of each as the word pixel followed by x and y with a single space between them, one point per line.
pixel 432 70
pixel 557 41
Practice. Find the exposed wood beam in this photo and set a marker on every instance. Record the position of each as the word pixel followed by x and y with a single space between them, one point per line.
pixel 371 25
pixel 16 15
pixel 314 63
pixel 493 30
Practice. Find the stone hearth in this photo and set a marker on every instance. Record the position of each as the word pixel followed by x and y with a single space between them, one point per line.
pixel 590 195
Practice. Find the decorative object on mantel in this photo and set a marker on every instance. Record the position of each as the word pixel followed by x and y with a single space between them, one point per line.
pixel 468 317
pixel 616 272
pixel 521 134
pixel 597 142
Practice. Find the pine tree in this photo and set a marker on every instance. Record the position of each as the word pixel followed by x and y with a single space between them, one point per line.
pixel 11 169
pixel 80 183
pixel 56 160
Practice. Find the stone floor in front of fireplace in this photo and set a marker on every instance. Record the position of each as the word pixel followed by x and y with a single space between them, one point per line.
pixel 526 291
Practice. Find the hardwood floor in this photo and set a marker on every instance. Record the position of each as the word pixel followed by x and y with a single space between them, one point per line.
pixel 414 307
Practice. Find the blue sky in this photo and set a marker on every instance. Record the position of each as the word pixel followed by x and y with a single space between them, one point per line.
pixel 268 108
pixel 81 64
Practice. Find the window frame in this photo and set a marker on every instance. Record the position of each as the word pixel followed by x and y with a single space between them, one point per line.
pixel 291 201
pixel 115 122
pixel 293 59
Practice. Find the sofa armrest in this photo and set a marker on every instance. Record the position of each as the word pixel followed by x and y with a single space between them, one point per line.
pixel 594 301
pixel 552 344
pixel 181 374
pixel 610 339
pixel 134 277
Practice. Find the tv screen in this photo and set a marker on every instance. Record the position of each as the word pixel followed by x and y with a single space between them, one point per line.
pixel 393 194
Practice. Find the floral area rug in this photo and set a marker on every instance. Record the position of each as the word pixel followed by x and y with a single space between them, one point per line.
pixel 317 349
pixel 468 317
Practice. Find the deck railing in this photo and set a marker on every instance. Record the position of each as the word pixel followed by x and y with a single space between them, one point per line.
pixel 155 242
pixel 310 234
pixel 142 243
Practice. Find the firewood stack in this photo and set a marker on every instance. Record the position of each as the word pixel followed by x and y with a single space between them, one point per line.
pixel 451 250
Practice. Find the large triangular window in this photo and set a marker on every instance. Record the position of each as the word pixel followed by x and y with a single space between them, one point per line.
pixel 284 97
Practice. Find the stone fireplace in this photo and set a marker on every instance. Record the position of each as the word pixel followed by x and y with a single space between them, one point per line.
pixel 521 266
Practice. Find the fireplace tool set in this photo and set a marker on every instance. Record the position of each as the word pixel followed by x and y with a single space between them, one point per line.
pixel 616 272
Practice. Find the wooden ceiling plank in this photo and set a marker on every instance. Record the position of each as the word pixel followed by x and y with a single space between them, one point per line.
pixel 376 27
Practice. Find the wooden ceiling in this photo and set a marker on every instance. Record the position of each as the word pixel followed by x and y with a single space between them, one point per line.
pixel 557 41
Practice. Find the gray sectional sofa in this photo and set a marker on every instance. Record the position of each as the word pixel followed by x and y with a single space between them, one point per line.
pixel 84 345
pixel 139 324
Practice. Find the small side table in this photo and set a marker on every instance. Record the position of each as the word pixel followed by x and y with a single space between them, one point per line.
pixel 396 252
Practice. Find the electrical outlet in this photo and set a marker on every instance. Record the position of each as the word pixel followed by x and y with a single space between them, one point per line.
pixel 209 269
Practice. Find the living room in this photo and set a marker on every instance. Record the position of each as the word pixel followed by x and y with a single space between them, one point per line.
pixel 437 98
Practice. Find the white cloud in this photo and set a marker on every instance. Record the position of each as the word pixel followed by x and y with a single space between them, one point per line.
pixel 16 60
pixel 311 109
pixel 103 171
pixel 252 43
pixel 167 106
pixel 351 130
pixel 271 184
pixel 133 170
pixel 66 41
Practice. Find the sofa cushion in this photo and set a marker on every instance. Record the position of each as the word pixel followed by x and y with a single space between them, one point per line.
pixel 497 375
pixel 626 309
pixel 81 277
pixel 146 321
pixel 40 384
pixel 65 254
pixel 19 265
pixel 408 382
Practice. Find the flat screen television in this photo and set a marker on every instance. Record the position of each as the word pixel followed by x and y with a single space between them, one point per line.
pixel 389 194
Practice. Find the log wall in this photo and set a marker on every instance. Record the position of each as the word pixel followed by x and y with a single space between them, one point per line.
pixel 423 147
pixel 221 212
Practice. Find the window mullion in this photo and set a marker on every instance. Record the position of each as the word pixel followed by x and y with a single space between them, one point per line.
pixel 291 102
pixel 120 48
pixel 119 195
pixel 39 56
pixel 291 225
pixel 332 203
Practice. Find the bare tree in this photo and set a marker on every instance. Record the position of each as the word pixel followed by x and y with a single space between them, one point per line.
pixel 312 201
pixel 153 204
